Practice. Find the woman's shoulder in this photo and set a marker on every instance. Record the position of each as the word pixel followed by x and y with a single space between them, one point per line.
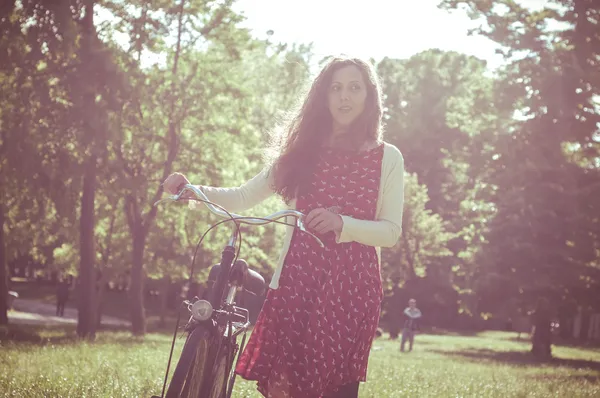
pixel 391 153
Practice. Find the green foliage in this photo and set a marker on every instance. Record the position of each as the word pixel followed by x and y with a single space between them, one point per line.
pixel 441 111
pixel 424 238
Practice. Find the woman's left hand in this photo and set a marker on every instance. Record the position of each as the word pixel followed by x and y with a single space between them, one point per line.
pixel 322 221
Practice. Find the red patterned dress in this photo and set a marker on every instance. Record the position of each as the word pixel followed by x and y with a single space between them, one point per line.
pixel 315 331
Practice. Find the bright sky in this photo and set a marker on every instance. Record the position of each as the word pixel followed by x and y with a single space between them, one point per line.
pixel 375 28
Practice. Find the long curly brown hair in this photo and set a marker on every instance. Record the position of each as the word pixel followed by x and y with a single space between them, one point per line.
pixel 298 143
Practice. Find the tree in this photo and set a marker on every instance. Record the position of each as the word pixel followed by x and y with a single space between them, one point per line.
pixel 73 88
pixel 440 110
pixel 92 127
pixel 543 240
pixel 185 65
pixel 31 154
pixel 422 245
pixel 178 116
pixel 424 237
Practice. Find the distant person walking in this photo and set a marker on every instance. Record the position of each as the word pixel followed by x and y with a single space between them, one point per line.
pixel 412 315
pixel 62 296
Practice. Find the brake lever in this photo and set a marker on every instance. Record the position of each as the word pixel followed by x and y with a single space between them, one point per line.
pixel 163 200
pixel 172 198
pixel 300 225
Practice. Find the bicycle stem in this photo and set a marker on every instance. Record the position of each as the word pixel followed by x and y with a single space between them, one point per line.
pixel 227 257
pixel 234 234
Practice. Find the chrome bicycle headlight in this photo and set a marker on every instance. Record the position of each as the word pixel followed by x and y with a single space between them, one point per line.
pixel 201 310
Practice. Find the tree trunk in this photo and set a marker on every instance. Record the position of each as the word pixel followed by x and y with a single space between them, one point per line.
pixel 105 255
pixel 566 326
pixel 541 341
pixel 410 257
pixel 138 313
pixel 585 326
pixel 99 302
pixel 86 323
pixel 395 309
pixel 164 299
pixel 3 273
pixel 139 223
pixel 101 290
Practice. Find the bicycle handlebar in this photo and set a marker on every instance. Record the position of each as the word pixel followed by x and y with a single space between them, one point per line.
pixel 200 196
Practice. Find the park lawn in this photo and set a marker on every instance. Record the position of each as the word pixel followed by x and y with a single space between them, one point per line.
pixel 50 362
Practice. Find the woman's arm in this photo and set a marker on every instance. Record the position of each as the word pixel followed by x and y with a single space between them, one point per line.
pixel 385 231
pixel 242 198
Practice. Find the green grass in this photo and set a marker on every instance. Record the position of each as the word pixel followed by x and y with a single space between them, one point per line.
pixel 50 362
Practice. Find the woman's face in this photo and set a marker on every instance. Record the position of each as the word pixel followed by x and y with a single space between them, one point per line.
pixel 347 96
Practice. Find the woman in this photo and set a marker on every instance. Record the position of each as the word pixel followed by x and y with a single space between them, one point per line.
pixel 313 335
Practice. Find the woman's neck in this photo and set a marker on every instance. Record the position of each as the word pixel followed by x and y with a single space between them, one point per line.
pixel 339 142
pixel 337 134
pixel 337 139
pixel 339 130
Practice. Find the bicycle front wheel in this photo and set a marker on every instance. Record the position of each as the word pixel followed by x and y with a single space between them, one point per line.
pixel 219 382
pixel 190 372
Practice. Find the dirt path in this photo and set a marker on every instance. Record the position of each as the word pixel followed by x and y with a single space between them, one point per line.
pixel 31 312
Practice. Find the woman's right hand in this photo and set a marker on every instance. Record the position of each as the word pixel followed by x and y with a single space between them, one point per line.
pixel 174 183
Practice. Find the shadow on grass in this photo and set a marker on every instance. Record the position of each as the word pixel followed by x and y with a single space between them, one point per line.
pixel 518 358
pixel 524 339
pixel 561 378
pixel 592 346
pixel 418 341
pixel 446 332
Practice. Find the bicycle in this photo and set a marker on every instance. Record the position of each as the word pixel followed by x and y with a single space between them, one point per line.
pixel 205 366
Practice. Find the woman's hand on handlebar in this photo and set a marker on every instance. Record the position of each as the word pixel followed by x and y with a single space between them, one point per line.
pixel 174 183
pixel 322 221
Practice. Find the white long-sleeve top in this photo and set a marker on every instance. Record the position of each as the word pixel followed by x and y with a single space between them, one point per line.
pixel 384 231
